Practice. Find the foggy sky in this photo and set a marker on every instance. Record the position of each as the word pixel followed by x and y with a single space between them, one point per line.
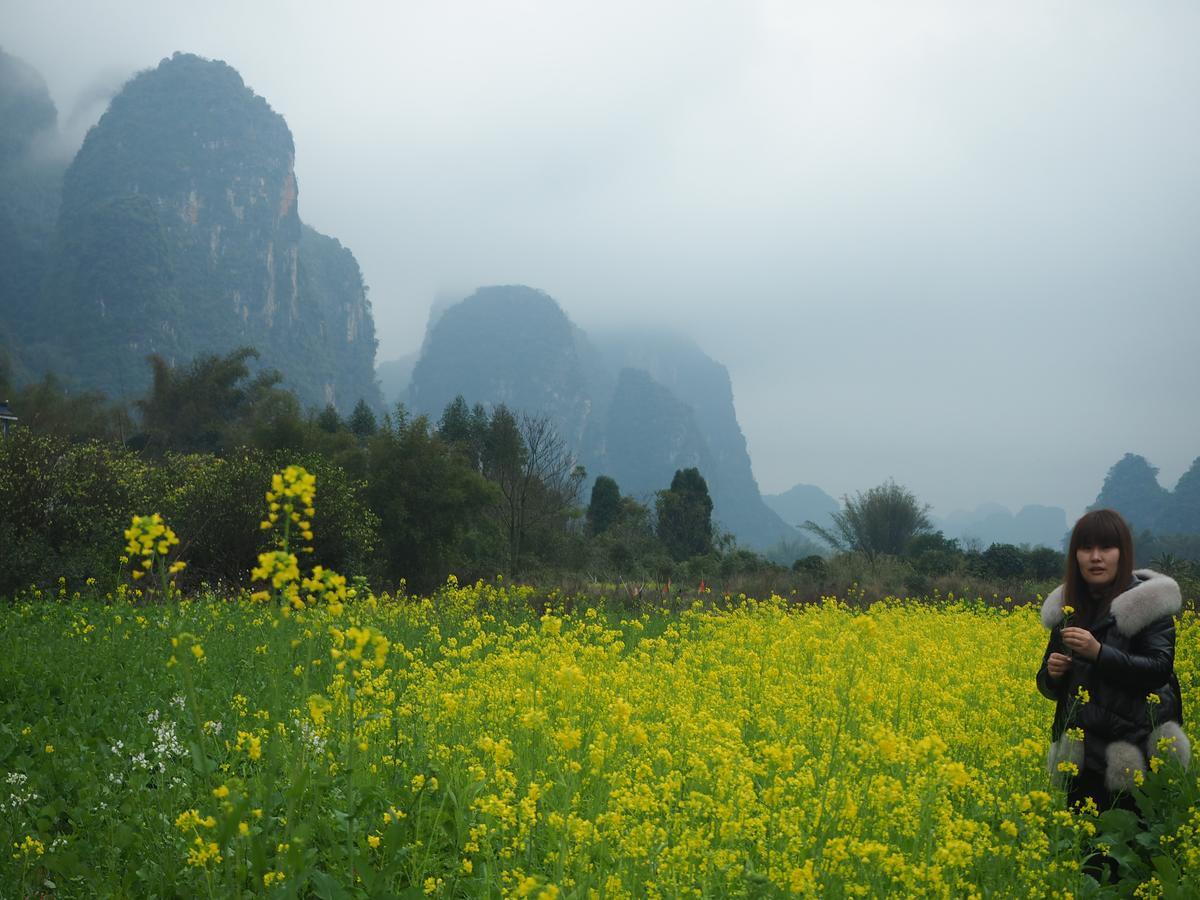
pixel 955 244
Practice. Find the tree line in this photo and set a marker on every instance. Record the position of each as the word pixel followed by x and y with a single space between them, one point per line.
pixel 481 491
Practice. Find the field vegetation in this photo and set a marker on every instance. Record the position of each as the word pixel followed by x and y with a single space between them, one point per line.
pixel 312 738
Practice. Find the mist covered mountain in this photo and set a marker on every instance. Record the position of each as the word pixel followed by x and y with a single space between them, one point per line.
pixel 636 407
pixel 804 503
pixel 1131 487
pixel 30 188
pixel 178 233
pixel 992 523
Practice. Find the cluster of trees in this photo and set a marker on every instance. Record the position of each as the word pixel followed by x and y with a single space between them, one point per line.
pixel 477 493
pixel 888 528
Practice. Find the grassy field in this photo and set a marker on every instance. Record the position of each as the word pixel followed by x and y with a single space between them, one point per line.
pixel 461 745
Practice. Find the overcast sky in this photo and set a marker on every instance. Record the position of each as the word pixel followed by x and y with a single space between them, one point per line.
pixel 955 244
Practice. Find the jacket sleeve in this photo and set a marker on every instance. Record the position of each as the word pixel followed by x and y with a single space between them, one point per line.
pixel 1148 663
pixel 1051 688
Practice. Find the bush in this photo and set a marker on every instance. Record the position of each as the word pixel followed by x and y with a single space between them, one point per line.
pixel 215 506
pixel 64 508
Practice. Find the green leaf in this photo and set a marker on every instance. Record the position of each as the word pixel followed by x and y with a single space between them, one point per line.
pixel 201 763
pixel 327 887
pixel 1168 872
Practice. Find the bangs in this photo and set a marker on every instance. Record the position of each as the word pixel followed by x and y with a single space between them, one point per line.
pixel 1099 528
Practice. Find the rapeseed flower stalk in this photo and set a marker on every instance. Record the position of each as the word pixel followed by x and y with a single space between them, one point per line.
pixel 290 509
pixel 147 550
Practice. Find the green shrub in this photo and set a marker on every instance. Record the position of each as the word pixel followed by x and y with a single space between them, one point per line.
pixel 64 508
pixel 215 505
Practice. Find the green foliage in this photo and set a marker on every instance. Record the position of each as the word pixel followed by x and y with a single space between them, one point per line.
pixel 63 508
pixel 604 506
pixel 1003 561
pixel 684 516
pixel 221 540
pixel 932 553
pixel 203 407
pixel 884 520
pixel 466 430
pixel 427 498
pixel 628 547
pixel 362 422
pixel 45 407
pixel 810 565
pixel 1159 840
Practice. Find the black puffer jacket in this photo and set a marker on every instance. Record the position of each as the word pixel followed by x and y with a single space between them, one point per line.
pixel 1137 658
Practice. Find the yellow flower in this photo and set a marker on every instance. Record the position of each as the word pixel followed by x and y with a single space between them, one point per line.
pixel 221 792
pixel 197 651
pixel 373 840
pixel 203 852
pixel 318 708
pixel 31 846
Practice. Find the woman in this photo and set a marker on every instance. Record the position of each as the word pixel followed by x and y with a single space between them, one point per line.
pixel 1110 665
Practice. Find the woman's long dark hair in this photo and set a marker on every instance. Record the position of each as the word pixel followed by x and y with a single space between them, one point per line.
pixel 1097 528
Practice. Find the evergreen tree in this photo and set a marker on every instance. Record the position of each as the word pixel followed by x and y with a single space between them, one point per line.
pixel 328 419
pixel 684 514
pixel 362 421
pixel 465 430
pixel 605 505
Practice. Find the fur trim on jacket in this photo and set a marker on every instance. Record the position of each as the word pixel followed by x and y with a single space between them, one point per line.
pixel 1152 598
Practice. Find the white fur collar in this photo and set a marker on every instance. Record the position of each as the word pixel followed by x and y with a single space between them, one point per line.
pixel 1153 597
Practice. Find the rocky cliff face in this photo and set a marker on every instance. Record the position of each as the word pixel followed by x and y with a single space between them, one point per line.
pixel 179 233
pixel 30 184
pixel 635 407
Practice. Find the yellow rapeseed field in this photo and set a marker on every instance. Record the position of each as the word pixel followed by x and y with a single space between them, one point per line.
pixel 463 746
pixel 313 739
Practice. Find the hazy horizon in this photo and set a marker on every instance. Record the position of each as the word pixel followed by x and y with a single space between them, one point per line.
pixel 951 245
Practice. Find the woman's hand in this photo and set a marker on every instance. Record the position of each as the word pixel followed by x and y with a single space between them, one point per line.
pixel 1057 664
pixel 1082 642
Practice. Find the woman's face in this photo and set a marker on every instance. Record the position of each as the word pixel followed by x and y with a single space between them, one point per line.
pixel 1098 565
